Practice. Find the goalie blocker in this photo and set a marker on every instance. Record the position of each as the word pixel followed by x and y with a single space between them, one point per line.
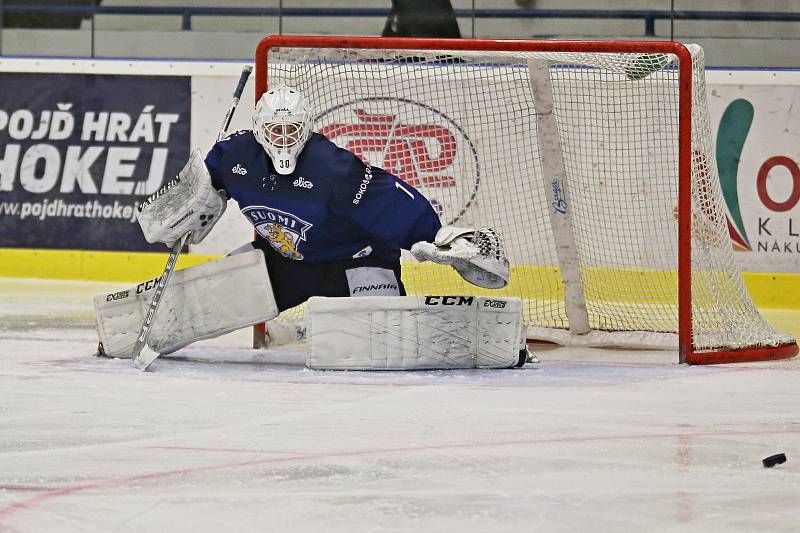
pixel 414 333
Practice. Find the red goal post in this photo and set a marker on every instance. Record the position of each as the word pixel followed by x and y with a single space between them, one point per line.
pixel 621 82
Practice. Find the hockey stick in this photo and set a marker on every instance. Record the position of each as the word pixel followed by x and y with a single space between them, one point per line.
pixel 143 355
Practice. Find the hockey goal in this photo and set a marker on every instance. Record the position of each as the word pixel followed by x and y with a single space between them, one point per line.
pixel 593 159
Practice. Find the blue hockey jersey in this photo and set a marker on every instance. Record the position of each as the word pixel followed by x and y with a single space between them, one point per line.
pixel 333 206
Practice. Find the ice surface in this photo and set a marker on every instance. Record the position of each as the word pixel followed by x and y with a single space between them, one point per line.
pixel 221 438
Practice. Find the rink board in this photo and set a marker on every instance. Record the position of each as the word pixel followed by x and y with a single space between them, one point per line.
pixel 766 289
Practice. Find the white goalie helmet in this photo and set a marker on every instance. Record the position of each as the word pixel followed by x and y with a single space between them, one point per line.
pixel 282 125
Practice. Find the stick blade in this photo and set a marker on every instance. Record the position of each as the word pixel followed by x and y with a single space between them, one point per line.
pixel 145 358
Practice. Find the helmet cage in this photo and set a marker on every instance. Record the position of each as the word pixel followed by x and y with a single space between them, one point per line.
pixel 283 135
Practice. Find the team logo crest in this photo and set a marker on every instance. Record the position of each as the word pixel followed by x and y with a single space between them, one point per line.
pixel 284 231
pixel 417 143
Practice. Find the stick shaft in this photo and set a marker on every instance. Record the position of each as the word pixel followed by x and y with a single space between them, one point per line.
pixel 142 360
pixel 237 94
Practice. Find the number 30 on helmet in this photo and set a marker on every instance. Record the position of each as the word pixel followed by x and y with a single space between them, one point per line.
pixel 281 124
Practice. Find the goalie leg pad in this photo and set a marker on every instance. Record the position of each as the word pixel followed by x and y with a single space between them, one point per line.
pixel 413 332
pixel 199 303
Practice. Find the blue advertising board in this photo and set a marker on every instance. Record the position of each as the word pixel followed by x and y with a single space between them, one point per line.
pixel 78 152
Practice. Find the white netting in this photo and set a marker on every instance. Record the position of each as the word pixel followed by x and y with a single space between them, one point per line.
pixel 462 127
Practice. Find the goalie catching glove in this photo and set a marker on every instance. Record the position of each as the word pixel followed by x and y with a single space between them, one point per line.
pixel 187 203
pixel 476 254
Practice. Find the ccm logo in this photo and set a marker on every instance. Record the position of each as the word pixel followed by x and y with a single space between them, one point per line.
pixel 147 285
pixel 497 304
pixel 449 300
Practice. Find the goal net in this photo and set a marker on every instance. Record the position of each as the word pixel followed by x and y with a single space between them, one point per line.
pixel 593 160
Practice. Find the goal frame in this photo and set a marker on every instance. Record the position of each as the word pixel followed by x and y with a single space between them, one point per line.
pixel 686 352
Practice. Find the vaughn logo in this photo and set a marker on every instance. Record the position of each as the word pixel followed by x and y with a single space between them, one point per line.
pixel 239 169
pixel 153 197
pixel 302 182
pixel 559 201
pixel 418 143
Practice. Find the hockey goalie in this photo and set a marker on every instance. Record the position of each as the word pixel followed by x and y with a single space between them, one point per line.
pixel 329 227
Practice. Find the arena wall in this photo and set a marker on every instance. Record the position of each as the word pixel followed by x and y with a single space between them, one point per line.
pixel 183 102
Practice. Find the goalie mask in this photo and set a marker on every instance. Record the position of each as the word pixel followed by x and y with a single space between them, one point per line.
pixel 282 126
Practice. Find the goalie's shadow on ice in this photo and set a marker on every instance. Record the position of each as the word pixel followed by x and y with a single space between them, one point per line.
pixel 264 358
pixel 289 366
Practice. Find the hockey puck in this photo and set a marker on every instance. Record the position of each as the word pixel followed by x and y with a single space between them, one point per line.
pixel 772 460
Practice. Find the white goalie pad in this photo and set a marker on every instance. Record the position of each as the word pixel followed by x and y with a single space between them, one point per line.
pixel 413 332
pixel 200 302
pixel 477 255
pixel 187 203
